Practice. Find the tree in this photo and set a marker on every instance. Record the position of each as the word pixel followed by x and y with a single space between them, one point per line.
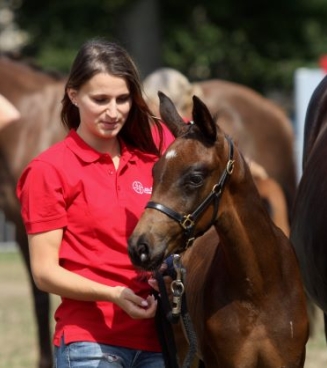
pixel 243 41
pixel 246 42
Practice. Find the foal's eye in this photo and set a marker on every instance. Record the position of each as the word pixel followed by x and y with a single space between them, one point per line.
pixel 196 179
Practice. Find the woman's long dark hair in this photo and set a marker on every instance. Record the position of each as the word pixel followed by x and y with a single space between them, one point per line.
pixel 101 56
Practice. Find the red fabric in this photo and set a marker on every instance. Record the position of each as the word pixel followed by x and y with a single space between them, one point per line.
pixel 167 136
pixel 323 63
pixel 74 187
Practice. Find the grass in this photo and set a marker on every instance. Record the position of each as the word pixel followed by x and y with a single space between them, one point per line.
pixel 18 331
pixel 17 328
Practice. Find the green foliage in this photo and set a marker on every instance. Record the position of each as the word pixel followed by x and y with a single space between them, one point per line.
pixel 252 43
pixel 249 42
pixel 58 27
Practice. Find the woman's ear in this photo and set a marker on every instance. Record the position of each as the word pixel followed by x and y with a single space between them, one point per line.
pixel 72 93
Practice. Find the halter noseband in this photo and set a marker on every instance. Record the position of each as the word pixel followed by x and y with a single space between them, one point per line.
pixel 187 222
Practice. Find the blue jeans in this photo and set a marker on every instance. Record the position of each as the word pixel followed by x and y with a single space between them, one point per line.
pixel 94 355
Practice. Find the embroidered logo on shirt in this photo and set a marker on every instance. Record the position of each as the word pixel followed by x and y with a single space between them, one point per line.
pixel 140 189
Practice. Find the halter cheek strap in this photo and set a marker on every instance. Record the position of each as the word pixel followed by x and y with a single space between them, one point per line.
pixel 187 222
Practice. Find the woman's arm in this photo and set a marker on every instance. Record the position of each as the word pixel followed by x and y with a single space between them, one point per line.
pixel 50 277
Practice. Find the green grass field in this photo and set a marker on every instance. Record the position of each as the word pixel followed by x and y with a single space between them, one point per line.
pixel 18 331
pixel 17 328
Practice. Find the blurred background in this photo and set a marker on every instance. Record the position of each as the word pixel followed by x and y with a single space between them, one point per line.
pixel 259 45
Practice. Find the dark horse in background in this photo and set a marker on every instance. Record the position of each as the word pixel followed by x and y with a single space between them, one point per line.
pixel 309 227
pixel 244 290
pixel 37 96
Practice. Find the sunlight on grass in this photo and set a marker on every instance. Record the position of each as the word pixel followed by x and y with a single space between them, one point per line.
pixel 17 328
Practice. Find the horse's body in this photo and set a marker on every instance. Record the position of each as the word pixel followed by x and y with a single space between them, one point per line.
pixel 272 196
pixel 37 96
pixel 308 230
pixel 245 295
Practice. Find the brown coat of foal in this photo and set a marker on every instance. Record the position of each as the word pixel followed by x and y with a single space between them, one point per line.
pixel 245 295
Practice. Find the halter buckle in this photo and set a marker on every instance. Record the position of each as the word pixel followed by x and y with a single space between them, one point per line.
pixel 187 222
pixel 230 166
pixel 177 287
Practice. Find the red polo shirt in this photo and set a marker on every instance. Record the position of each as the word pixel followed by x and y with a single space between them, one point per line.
pixel 74 187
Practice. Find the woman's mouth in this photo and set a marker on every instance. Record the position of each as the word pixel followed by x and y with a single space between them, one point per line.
pixel 109 124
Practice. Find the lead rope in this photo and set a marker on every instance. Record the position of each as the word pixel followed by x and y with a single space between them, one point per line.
pixel 177 288
pixel 179 309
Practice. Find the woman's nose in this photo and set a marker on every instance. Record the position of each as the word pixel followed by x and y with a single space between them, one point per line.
pixel 112 109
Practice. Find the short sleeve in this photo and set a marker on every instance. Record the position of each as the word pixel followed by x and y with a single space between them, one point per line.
pixel 40 191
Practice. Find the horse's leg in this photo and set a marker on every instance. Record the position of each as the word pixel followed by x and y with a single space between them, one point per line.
pixel 325 323
pixel 41 302
pixel 42 310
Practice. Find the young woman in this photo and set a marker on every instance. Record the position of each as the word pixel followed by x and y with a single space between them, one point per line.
pixel 80 201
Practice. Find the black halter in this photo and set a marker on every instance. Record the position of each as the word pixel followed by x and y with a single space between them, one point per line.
pixel 187 222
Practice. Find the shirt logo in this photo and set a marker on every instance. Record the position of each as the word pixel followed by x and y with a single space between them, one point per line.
pixel 140 189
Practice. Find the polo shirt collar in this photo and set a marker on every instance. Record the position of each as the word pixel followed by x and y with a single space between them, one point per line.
pixel 88 154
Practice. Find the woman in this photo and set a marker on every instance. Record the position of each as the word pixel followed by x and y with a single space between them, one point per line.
pixel 80 201
pixel 175 85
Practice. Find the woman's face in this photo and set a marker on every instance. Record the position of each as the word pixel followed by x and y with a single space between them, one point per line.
pixel 104 103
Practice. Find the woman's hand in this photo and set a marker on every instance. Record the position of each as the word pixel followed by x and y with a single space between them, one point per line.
pixel 134 305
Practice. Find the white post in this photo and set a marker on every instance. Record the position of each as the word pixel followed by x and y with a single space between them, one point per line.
pixel 306 80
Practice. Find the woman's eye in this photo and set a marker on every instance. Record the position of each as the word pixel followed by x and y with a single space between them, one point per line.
pixel 100 100
pixel 123 99
pixel 104 100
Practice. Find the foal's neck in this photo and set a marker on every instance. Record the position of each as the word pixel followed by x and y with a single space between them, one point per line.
pixel 248 236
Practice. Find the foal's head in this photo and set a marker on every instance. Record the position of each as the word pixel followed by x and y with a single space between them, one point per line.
pixel 188 182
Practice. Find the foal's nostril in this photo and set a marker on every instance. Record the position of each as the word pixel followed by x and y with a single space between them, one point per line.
pixel 140 251
pixel 143 252
pixel 144 257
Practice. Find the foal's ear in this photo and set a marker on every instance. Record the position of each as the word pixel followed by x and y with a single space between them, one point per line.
pixel 170 116
pixel 203 119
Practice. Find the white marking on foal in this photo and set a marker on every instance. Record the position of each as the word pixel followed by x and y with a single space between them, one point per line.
pixel 170 154
pixel 292 332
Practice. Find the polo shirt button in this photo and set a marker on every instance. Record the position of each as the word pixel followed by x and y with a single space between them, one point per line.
pixel 111 172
